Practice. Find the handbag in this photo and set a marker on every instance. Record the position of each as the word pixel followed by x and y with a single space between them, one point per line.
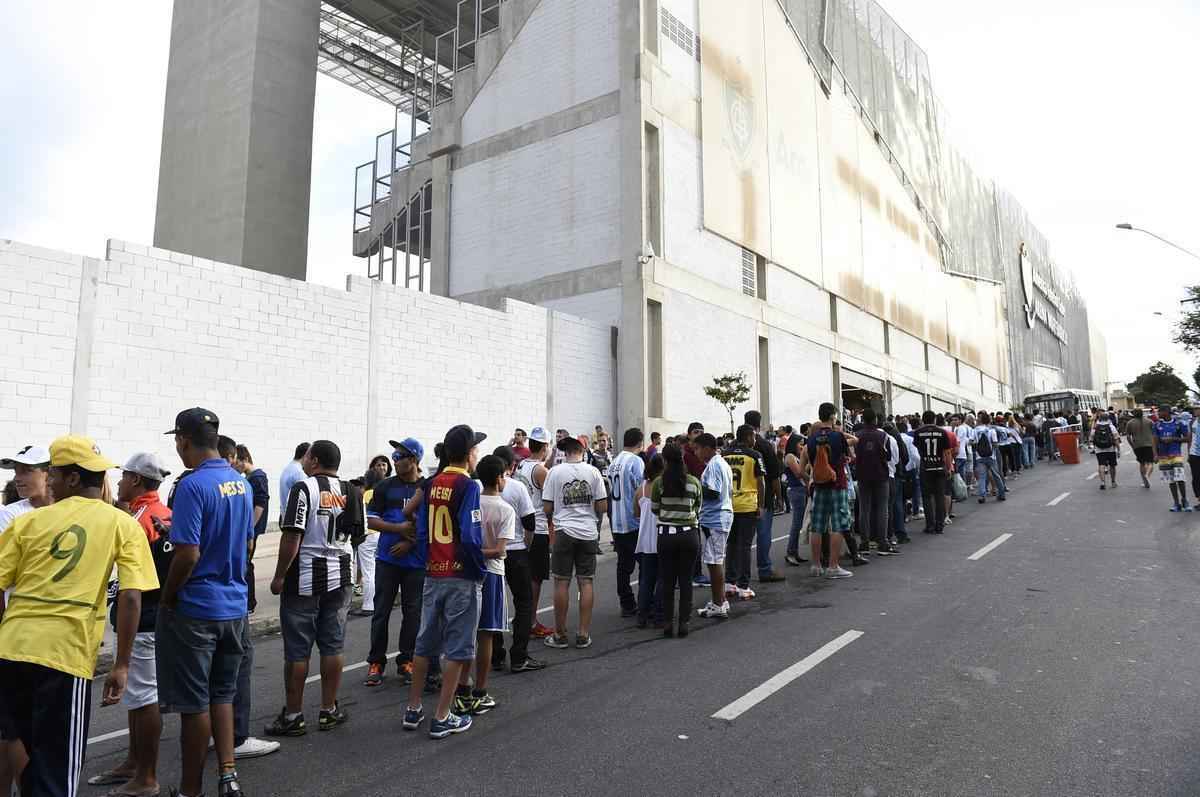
pixel 959 487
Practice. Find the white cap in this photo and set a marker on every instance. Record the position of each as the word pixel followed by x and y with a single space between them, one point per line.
pixel 539 434
pixel 147 465
pixel 29 455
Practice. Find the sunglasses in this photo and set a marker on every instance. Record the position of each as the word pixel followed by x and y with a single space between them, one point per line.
pixel 400 457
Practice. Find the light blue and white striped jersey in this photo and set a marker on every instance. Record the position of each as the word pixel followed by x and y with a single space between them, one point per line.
pixel 625 474
pixel 716 514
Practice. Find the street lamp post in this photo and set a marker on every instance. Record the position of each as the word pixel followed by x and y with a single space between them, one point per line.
pixel 1127 226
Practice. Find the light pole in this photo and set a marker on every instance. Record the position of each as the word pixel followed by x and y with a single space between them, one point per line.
pixel 1127 226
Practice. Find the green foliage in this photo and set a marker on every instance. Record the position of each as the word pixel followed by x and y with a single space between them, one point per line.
pixel 1159 386
pixel 729 391
pixel 1187 331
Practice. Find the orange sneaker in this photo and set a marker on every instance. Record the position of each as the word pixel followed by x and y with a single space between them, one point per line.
pixel 406 673
pixel 374 675
pixel 540 631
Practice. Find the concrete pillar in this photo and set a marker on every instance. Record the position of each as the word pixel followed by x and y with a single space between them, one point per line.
pixel 236 162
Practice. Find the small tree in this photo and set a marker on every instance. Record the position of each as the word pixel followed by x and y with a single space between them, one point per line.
pixel 1159 386
pixel 729 391
pixel 1187 330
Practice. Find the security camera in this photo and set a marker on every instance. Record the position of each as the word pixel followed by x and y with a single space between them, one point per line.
pixel 647 254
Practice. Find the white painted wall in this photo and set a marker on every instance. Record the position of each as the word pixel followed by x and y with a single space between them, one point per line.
pixel 279 361
pixel 565 54
pixel 859 326
pixel 801 378
pixel 603 307
pixel 547 208
pixel 907 348
pixel 941 364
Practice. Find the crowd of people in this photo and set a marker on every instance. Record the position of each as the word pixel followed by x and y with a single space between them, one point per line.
pixel 448 545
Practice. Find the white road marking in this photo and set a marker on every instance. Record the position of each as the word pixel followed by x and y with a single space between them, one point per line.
pixel 1058 500
pixel 777 682
pixel 1094 475
pixel 104 737
pixel 991 546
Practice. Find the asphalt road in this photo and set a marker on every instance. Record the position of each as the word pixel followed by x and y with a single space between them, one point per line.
pixel 1060 662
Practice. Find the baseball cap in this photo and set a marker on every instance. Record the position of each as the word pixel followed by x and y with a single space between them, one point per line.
pixel 29 455
pixel 539 434
pixel 409 445
pixel 146 464
pixel 460 440
pixel 569 444
pixel 191 420
pixel 695 426
pixel 78 450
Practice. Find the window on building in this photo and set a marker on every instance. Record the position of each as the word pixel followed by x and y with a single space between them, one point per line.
pixel 749 273
pixel 654 359
pixel 764 379
pixel 653 221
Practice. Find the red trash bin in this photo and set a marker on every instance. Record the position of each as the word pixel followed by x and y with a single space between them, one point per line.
pixel 1066 441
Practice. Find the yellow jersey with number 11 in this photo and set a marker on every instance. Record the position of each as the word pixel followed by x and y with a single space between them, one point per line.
pixel 57 561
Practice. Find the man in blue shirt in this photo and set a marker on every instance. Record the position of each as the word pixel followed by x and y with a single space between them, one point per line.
pixel 292 472
pixel 202 609
pixel 1170 435
pixel 399 566
pixel 626 474
pixel 716 519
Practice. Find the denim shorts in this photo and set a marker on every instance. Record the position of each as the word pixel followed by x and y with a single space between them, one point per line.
pixel 305 619
pixel 449 618
pixel 197 661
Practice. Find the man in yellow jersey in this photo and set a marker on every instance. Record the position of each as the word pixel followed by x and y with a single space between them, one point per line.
pixel 749 492
pixel 57 561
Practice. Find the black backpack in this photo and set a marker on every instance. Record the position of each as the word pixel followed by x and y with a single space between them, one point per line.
pixel 872 456
pixel 1103 436
pixel 983 442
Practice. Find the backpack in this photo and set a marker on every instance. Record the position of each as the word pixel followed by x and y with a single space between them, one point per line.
pixel 822 469
pixel 903 449
pixel 983 442
pixel 1103 436
pixel 872 455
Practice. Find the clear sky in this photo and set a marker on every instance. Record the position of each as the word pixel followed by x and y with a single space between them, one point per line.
pixel 1086 112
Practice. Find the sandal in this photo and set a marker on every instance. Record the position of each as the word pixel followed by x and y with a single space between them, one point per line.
pixel 109 777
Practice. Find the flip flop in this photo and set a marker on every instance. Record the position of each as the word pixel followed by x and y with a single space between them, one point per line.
pixel 120 793
pixel 109 777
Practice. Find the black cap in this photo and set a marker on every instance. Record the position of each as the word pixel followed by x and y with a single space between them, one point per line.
pixel 192 420
pixel 460 440
pixel 569 444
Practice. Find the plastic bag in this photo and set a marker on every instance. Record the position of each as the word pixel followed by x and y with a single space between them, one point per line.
pixel 959 487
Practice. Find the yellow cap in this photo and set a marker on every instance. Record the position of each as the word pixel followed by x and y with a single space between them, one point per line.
pixel 75 449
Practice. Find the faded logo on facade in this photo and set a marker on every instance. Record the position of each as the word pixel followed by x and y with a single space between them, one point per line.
pixel 1027 285
pixel 739 113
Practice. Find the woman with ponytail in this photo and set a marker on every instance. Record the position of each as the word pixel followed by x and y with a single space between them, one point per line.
pixel 675 500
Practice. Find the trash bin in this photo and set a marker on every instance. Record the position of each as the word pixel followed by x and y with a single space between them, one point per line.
pixel 1066 441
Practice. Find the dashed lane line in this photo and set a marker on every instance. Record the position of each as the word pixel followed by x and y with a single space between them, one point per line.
pixel 773 684
pixel 991 546
pixel 1059 499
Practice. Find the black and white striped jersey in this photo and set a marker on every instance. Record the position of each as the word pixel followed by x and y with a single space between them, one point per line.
pixel 324 562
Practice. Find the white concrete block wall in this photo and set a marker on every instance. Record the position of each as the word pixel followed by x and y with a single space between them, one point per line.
pixel 907 348
pixel 859 326
pixel 797 296
pixel 968 379
pixel 583 376
pixel 941 364
pixel 603 307
pixel 39 304
pixel 801 375
pixel 565 54
pixel 279 361
pixel 676 61
pixel 685 241
pixel 544 209
pixel 702 341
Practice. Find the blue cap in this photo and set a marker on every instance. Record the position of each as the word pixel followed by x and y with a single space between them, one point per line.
pixel 409 445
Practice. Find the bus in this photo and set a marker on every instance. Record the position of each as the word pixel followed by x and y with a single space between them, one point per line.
pixel 1068 400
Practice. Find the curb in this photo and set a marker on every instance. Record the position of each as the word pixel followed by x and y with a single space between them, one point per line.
pixel 259 627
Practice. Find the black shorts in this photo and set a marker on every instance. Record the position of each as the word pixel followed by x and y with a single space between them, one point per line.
pixel 1144 454
pixel 539 557
pixel 1107 458
pixel 48 710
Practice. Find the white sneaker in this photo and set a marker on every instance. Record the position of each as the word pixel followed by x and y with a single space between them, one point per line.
pixel 838 572
pixel 816 570
pixel 746 594
pixel 715 611
pixel 731 591
pixel 254 748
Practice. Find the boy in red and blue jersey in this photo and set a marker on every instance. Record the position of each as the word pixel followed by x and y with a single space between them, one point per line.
pixel 450 542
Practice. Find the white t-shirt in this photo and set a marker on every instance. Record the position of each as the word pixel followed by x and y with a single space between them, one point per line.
pixel 13 511
pixel 963 433
pixel 574 488
pixel 499 523
pixel 894 458
pixel 1116 437
pixel 647 541
pixel 914 456
pixel 516 495
pixel 524 475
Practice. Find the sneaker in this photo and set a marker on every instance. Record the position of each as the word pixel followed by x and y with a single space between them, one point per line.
pixel 583 641
pixel 858 560
pixel 629 612
pixel 701 581
pixel 228 786
pixel 888 550
pixel 771 578
pixel 1187 509
pixel 983 500
pixel 903 539
pixel 483 704
pixel 838 572
pixel 746 594
pixel 714 611
pixel 793 560
pixel 282 726
pixel 413 717
pixel 529 665
pixel 556 641
pixel 541 631
pixel 374 675
pixel 254 748
pixel 329 719
pixel 440 729
pixel 358 590
pixel 816 570
pixel 1176 508
pixel 1102 487
pixel 1002 498
pixel 405 671
pixel 949 520
pixel 433 685
pixel 498 665
pixel 465 705
pixel 731 591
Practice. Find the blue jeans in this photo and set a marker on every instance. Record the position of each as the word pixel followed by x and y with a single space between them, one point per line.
pixel 897 518
pixel 960 467
pixel 765 524
pixel 649 605
pixel 1028 452
pixel 917 506
pixel 985 466
pixel 798 498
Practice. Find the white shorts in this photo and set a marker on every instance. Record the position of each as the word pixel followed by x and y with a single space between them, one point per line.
pixel 141 688
pixel 1172 473
pixel 712 546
